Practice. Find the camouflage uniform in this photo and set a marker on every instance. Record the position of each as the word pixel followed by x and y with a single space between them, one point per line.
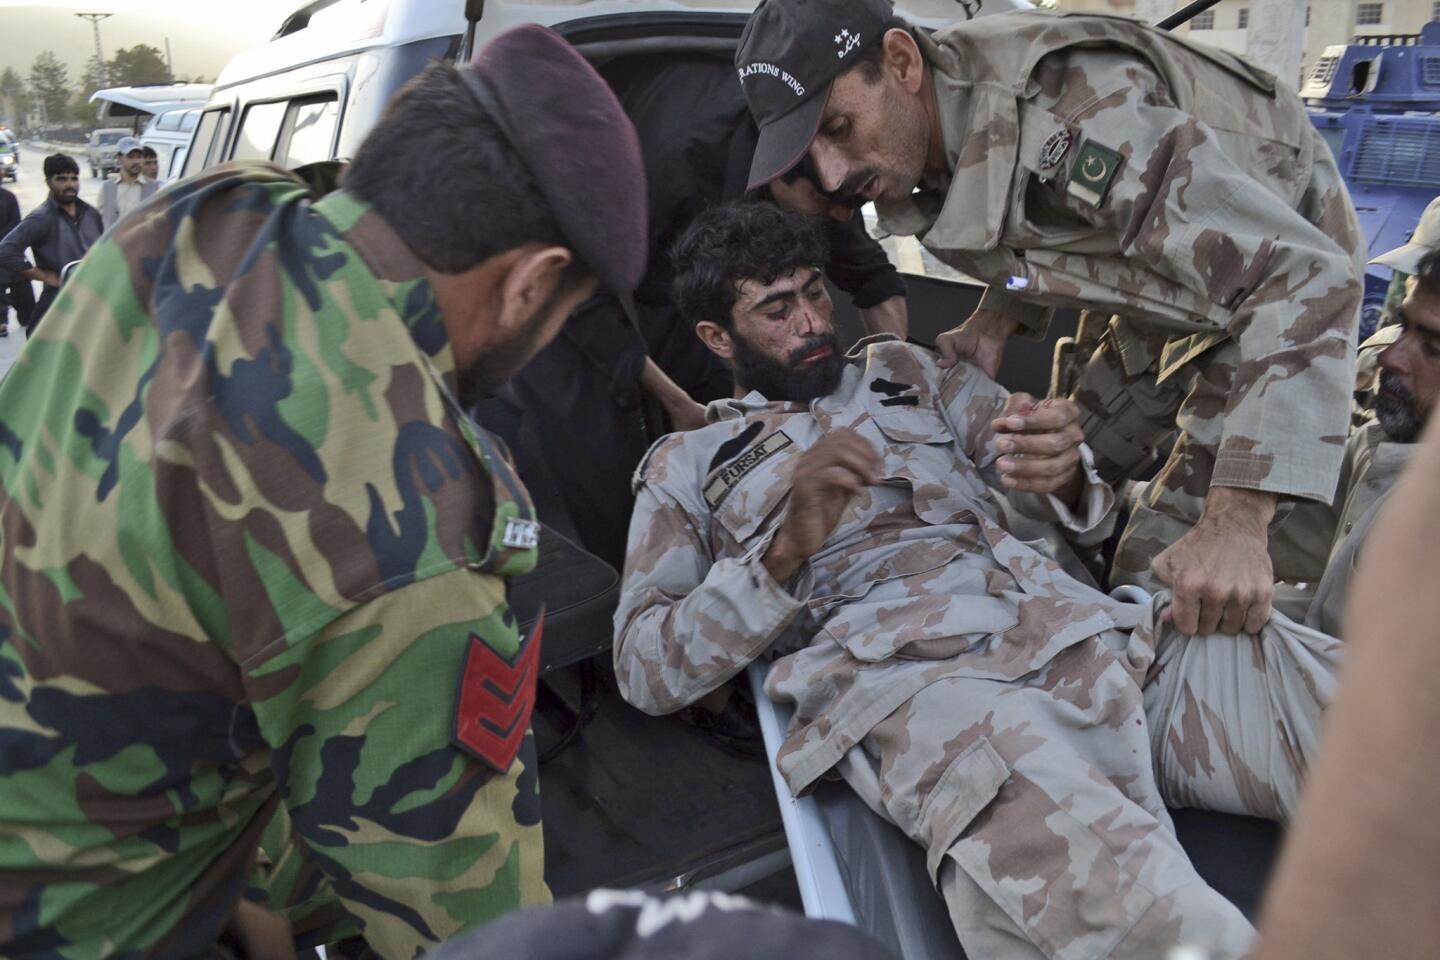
pixel 1177 186
pixel 250 547
pixel 967 688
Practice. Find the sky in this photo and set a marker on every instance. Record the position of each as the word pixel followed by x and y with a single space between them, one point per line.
pixel 203 34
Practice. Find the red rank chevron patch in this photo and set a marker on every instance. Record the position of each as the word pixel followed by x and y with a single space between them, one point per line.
pixel 492 711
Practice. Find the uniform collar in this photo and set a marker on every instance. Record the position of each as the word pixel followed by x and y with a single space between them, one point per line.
pixel 979 121
pixel 80 207
pixel 755 402
pixel 398 271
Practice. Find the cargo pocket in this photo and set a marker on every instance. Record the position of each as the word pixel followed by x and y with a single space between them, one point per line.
pixel 1054 876
pixel 967 787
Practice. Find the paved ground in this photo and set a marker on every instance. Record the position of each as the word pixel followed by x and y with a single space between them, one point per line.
pixel 30 190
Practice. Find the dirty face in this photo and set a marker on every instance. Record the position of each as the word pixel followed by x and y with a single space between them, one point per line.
pixel 783 339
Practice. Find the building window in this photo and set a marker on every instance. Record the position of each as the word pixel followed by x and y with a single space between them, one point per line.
pixel 1242 20
pixel 1307 13
pixel 1369 14
pixel 1203 21
pixel 1435 10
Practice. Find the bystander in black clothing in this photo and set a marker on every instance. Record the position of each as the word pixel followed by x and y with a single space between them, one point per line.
pixel 54 238
pixel 15 292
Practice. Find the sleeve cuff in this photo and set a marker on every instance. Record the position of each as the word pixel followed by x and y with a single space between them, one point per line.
pixel 784 599
pixel 1033 318
pixel 1086 525
pixel 1097 503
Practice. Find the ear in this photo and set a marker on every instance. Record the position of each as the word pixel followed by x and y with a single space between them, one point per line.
pixel 533 277
pixel 716 337
pixel 904 59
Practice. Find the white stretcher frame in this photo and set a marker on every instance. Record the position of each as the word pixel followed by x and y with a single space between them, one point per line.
pixel 812 852
pixel 823 890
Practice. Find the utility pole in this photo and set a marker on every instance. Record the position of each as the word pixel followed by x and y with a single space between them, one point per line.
pixel 95 19
pixel 169 64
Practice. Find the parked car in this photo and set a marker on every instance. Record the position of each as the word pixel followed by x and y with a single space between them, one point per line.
pixel 9 157
pixel 100 151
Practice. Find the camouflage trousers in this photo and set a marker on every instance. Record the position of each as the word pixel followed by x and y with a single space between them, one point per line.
pixel 1126 413
pixel 1041 801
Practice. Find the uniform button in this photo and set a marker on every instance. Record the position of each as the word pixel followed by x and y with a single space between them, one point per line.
pixel 1348 525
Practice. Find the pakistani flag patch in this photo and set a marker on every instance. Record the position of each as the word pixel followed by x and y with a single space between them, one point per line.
pixel 1092 173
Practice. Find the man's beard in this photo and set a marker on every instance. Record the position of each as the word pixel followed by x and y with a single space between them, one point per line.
pixel 792 381
pixel 1396 410
pixel 488 372
pixel 503 361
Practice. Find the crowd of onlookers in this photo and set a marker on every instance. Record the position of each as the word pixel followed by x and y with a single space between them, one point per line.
pixel 60 230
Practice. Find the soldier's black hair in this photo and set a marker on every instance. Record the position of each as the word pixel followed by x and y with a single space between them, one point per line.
pixel 148 152
pixel 1427 273
pixel 58 163
pixel 445 178
pixel 872 56
pixel 734 242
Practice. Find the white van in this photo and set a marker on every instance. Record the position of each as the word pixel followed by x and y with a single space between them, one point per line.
pixel 166 112
pixel 316 89
pixel 168 134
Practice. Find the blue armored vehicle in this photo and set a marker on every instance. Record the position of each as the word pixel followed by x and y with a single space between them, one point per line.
pixel 1376 101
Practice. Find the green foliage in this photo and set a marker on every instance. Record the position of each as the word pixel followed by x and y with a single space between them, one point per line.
pixel 50 86
pixel 14 99
pixel 141 63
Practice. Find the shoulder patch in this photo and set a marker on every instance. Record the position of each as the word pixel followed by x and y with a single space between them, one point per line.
pixel 496 698
pixel 729 478
pixel 732 447
pixel 1093 172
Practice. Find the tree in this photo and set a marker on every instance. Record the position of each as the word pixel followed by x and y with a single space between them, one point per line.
pixel 141 63
pixel 14 101
pixel 50 86
pixel 82 111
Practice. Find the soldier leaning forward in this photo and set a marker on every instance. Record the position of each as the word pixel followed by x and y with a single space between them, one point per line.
pixel 255 555
pixel 1094 162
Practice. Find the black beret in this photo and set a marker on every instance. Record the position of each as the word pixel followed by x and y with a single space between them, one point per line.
pixel 576 141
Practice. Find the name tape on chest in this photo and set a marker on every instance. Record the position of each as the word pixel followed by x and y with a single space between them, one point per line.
pixel 730 476
pixel 521 534
pixel 1093 172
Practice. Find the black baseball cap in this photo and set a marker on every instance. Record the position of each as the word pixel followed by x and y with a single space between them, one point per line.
pixel 789 53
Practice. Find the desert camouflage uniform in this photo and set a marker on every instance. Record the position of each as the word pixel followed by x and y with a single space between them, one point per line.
pixel 1100 164
pixel 967 688
pixel 248 543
